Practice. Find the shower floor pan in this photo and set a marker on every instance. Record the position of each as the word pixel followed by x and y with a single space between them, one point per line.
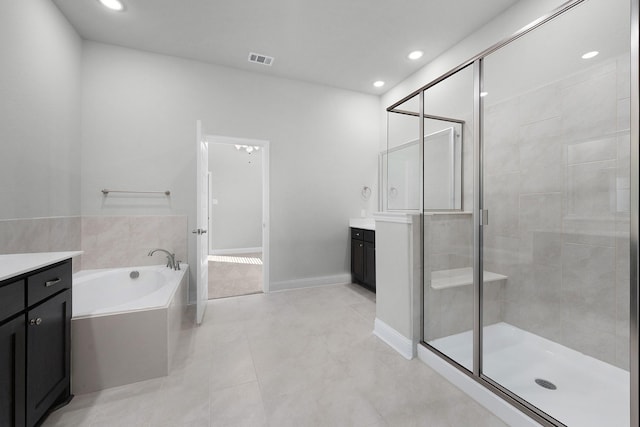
pixel 588 392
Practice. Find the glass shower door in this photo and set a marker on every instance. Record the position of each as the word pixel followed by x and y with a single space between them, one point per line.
pixel 556 186
pixel 447 218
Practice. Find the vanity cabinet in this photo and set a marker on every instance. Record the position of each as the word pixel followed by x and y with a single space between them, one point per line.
pixel 363 257
pixel 35 338
pixel 12 372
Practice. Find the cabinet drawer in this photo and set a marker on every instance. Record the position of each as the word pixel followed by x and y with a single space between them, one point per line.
pixel 48 282
pixel 369 236
pixel 357 233
pixel 11 299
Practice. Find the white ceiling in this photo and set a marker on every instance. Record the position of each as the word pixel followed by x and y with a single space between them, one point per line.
pixel 342 43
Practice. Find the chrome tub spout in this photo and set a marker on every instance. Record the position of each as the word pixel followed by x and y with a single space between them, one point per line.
pixel 171 258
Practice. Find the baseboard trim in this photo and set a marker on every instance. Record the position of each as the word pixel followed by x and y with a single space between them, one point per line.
pixel 394 339
pixel 498 406
pixel 310 282
pixel 235 251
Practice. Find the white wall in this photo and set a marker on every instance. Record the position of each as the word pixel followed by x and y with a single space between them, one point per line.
pixel 516 17
pixel 39 111
pixel 236 187
pixel 138 130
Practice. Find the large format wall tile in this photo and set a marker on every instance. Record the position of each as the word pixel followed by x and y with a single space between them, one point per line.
pixel 108 241
pixel 125 241
pixel 589 107
pixel 557 186
pixel 502 202
pixel 591 189
pixel 64 234
pixel 588 284
pixel 40 235
pixel 25 235
pixel 540 220
pixel 540 104
pixel 541 165
pixel 591 151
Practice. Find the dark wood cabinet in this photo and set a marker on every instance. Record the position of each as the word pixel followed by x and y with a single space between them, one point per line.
pixel 370 264
pixel 35 344
pixel 12 372
pixel 357 260
pixel 48 349
pixel 363 257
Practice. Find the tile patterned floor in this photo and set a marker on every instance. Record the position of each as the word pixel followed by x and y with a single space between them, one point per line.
pixel 234 275
pixel 296 358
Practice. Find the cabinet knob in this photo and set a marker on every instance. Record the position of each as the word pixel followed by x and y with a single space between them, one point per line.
pixel 35 322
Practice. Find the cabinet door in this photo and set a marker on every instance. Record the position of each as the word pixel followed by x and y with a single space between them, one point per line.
pixel 370 264
pixel 48 350
pixel 12 372
pixel 357 259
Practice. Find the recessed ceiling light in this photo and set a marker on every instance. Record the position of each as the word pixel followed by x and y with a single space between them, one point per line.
pixel 113 5
pixel 590 55
pixel 483 94
pixel 378 83
pixel 416 54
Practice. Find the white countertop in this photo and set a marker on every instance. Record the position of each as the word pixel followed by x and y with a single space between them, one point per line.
pixel 364 223
pixel 12 265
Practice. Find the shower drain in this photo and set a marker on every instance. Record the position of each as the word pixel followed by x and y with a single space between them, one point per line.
pixel 546 384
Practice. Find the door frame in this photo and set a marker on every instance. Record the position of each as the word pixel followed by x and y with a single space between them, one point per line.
pixel 264 148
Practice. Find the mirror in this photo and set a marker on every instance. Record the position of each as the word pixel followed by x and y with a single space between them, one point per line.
pixel 442 170
pixel 400 169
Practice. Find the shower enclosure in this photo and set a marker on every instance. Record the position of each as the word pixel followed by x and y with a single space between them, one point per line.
pixel 523 162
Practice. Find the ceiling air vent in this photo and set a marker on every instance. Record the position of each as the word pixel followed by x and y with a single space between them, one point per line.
pixel 258 58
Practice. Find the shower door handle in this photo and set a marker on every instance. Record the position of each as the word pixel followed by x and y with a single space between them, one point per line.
pixel 484 217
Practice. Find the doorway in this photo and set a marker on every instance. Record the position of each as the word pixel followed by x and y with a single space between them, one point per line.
pixel 238 211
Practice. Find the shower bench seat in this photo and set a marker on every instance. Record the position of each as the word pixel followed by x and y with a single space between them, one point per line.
pixel 443 279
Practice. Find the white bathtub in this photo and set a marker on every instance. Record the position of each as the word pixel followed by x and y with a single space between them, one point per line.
pixel 125 329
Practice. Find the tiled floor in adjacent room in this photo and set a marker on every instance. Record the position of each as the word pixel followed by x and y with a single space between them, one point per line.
pixel 296 358
pixel 234 275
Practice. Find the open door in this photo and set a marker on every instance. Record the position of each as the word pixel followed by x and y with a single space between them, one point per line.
pixel 202 240
pixel 261 148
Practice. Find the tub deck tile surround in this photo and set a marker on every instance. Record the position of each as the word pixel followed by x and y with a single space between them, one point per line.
pixel 294 358
pixel 130 342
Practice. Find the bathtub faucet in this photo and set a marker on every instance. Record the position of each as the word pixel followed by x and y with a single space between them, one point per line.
pixel 171 258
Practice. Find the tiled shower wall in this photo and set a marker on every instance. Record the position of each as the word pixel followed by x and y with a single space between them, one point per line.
pixel 107 241
pixel 557 190
pixel 449 245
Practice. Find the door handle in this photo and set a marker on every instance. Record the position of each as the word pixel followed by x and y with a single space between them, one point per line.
pixel 198 231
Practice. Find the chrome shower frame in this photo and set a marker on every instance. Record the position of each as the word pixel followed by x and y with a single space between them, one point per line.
pixel 477 63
